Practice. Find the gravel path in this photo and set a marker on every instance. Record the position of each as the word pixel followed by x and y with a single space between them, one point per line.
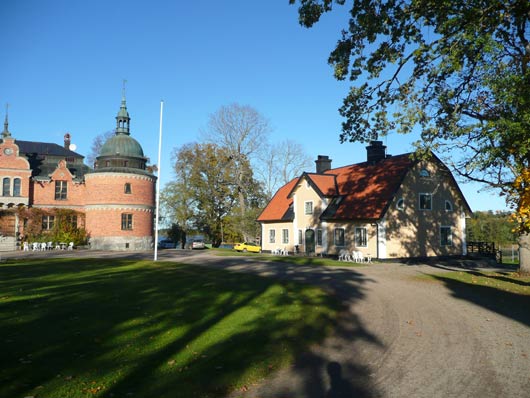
pixel 400 335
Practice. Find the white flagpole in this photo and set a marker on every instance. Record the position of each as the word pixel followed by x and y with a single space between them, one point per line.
pixel 158 181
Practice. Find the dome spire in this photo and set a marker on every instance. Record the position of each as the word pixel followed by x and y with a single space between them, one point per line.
pixel 6 132
pixel 123 119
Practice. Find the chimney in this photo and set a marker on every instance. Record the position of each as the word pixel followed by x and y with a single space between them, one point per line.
pixel 375 152
pixel 67 141
pixel 323 163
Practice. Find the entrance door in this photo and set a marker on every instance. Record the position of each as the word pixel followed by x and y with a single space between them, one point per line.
pixel 309 242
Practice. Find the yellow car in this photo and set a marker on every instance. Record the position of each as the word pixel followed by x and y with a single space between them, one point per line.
pixel 247 247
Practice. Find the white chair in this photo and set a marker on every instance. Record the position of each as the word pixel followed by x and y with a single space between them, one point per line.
pixel 49 246
pixel 275 251
pixel 369 258
pixel 70 246
pixel 25 246
pixel 36 246
pixel 43 246
pixel 284 251
pixel 344 255
pixel 359 258
pixel 57 246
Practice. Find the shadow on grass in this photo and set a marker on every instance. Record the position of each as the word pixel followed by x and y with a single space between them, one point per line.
pixel 511 305
pixel 125 327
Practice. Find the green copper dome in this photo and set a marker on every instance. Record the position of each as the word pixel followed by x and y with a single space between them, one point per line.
pixel 122 145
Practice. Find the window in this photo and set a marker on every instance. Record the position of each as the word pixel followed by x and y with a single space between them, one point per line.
pixel 319 237
pixel 425 201
pixel 71 220
pixel 127 188
pixel 6 183
pixel 446 236
pixel 339 236
pixel 272 236
pixel 400 204
pixel 300 237
pixel 126 221
pixel 308 208
pixel 60 190
pixel 48 222
pixel 360 237
pixel 424 173
pixel 16 187
pixel 448 206
pixel 285 236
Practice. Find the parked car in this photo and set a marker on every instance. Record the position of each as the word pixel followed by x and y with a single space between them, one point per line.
pixel 198 244
pixel 247 247
pixel 166 244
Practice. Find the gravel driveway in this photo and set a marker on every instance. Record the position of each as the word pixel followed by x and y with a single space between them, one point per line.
pixel 401 336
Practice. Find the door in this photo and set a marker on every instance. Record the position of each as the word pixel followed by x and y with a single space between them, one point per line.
pixel 309 242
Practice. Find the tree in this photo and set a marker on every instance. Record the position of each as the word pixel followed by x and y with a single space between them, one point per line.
pixel 97 144
pixel 280 163
pixel 241 131
pixel 456 70
pixel 203 192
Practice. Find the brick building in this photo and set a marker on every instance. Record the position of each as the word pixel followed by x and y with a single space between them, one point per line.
pixel 46 186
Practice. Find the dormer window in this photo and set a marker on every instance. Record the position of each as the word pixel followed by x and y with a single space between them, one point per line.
pixel 400 204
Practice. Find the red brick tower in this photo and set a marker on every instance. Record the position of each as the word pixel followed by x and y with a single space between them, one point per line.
pixel 120 199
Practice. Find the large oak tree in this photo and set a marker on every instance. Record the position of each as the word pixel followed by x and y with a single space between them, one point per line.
pixel 456 71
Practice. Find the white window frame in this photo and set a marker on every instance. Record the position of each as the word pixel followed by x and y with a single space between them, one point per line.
pixel 285 235
pixel 449 236
pixel 300 237
pixel 419 201
pixel 337 244
pixel 320 237
pixel 306 212
pixel 272 236
pixel 400 204
pixel 364 234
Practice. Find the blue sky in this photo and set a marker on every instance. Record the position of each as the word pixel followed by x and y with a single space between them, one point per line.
pixel 63 63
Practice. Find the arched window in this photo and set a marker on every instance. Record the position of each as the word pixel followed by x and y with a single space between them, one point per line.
pixel 16 187
pixel 448 206
pixel 6 184
pixel 424 173
pixel 400 204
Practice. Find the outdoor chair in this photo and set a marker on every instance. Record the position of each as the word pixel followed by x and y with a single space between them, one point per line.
pixel 36 246
pixel 358 256
pixel 25 246
pixel 284 251
pixel 49 246
pixel 344 255
pixel 70 246
pixel 43 246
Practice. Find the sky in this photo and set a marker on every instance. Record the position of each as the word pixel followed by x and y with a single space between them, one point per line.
pixel 64 63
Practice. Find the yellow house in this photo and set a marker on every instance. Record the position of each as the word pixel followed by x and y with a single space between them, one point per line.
pixel 386 207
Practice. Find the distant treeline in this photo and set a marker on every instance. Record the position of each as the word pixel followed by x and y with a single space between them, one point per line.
pixel 489 226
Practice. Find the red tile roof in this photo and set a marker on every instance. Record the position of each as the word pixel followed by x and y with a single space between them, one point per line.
pixel 361 191
pixel 279 204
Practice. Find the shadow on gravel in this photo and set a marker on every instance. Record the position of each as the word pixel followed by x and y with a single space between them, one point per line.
pixel 331 369
pixel 511 305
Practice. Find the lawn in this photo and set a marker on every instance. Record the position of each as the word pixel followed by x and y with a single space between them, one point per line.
pixel 124 328
pixel 296 260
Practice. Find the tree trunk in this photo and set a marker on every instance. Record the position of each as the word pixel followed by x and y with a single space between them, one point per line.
pixel 524 254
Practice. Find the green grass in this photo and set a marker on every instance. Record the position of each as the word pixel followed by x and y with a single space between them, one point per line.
pixel 296 260
pixel 124 328
pixel 506 281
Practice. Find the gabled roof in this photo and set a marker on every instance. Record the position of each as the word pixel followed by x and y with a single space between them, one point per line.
pixel 45 148
pixel 324 185
pixel 280 204
pixel 361 191
pixel 367 189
